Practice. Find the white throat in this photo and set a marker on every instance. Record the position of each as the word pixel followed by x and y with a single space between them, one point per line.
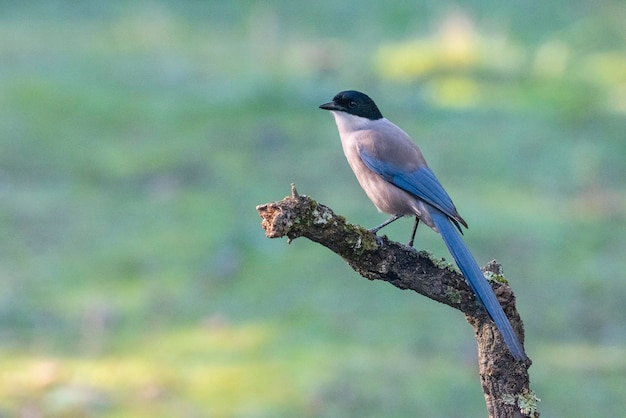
pixel 347 123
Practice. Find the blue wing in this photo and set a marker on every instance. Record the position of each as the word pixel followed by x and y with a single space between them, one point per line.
pixel 421 183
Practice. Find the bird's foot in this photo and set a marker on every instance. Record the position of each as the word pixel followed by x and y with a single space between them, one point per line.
pixel 379 240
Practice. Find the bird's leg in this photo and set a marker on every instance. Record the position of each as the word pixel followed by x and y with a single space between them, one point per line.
pixel 417 222
pixel 384 224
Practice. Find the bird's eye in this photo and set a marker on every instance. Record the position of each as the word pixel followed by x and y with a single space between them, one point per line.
pixel 352 104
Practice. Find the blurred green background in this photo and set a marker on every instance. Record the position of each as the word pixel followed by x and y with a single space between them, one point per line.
pixel 138 137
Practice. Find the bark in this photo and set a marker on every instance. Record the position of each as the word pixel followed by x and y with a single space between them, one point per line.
pixel 505 382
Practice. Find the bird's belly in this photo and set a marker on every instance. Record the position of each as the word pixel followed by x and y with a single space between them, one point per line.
pixel 385 196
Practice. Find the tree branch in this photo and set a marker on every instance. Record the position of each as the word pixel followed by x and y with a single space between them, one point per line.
pixel 505 382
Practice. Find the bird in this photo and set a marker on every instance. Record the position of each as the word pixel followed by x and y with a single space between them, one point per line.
pixel 392 171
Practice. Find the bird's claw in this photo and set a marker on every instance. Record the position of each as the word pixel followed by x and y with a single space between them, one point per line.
pixel 378 239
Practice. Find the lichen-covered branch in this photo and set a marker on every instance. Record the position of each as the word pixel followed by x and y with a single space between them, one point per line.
pixel 505 382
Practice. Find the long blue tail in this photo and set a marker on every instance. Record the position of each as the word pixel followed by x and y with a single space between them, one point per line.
pixel 468 266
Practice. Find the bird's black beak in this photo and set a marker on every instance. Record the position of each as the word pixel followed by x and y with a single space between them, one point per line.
pixel 331 106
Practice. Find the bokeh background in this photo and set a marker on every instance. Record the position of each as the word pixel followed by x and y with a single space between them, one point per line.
pixel 138 137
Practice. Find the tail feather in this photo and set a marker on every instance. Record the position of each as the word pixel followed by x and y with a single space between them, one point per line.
pixel 474 276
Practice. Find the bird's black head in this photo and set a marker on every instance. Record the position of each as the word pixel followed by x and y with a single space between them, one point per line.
pixel 354 103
